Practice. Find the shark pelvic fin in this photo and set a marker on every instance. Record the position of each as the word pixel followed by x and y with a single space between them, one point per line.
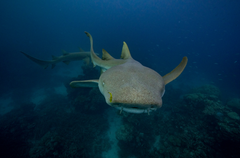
pixel 125 52
pixel 175 72
pixel 106 55
pixel 84 83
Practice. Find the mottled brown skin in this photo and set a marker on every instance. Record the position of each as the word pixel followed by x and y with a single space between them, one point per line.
pixel 128 85
pixel 132 85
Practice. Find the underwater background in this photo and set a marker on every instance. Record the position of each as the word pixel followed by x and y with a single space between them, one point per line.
pixel 42 116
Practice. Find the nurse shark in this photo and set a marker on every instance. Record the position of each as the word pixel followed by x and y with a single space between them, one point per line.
pixel 65 58
pixel 128 85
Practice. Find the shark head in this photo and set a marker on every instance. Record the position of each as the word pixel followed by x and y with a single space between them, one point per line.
pixel 128 85
pixel 132 87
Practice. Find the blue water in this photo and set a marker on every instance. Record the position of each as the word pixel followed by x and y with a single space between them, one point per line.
pixel 159 33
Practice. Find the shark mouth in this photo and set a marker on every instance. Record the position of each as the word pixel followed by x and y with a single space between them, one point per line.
pixel 136 110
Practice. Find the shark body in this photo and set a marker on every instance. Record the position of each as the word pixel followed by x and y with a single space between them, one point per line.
pixel 128 85
pixel 65 58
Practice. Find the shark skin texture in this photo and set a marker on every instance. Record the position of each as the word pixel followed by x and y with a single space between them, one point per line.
pixel 65 58
pixel 126 84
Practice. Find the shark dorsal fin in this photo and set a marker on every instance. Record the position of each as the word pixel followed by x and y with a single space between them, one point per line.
pixel 106 55
pixel 64 52
pixel 125 52
pixel 175 72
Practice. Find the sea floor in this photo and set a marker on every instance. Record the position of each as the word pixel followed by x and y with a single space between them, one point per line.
pixel 60 121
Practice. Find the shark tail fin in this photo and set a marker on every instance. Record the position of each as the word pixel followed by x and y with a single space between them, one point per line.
pixel 175 72
pixel 42 63
pixel 95 59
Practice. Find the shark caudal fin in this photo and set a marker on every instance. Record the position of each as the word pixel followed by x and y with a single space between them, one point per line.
pixel 95 59
pixel 42 63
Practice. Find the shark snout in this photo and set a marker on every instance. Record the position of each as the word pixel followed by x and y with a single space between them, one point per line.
pixel 136 98
pixel 136 102
pixel 135 106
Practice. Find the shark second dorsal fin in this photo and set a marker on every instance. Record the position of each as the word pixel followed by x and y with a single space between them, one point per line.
pixel 175 72
pixel 64 52
pixel 125 52
pixel 106 55
pixel 84 83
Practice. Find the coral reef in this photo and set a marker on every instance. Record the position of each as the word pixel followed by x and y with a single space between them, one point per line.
pixel 56 127
pixel 234 103
pixel 207 90
pixel 86 100
pixel 198 124
pixel 124 133
pixel 233 115
pixel 15 129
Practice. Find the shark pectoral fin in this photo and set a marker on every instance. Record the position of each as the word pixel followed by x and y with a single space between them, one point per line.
pixel 106 55
pixel 66 62
pixel 175 72
pixel 125 52
pixel 84 83
pixel 64 52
